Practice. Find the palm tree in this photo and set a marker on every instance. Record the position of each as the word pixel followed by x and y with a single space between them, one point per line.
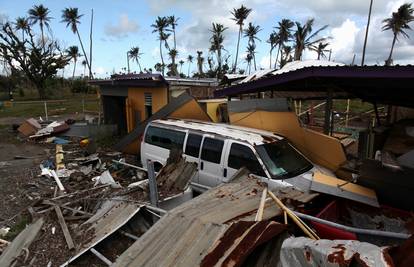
pixel 22 24
pixel 189 60
pixel 84 67
pixel 284 31
pixel 135 54
pixel 73 53
pixel 287 55
pixel 250 55
pixel 366 34
pixel 216 42
pixel 273 41
pixel 200 61
pixel 239 15
pixel 40 14
pixel 320 49
pixel 398 23
pixel 160 26
pixel 181 62
pixel 158 67
pixel 173 54
pixel 71 17
pixel 303 37
pixel 251 33
pixel 172 21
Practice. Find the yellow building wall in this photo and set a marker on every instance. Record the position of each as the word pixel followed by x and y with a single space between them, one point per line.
pixel 321 149
pixel 137 100
pixel 190 110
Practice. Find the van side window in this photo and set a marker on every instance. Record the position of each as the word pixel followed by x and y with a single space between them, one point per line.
pixel 193 145
pixel 212 149
pixel 242 156
pixel 165 138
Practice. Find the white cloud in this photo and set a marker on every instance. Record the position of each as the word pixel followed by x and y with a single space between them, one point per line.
pixel 343 41
pixel 124 27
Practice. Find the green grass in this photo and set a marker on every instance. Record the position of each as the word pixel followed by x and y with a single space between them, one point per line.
pixel 69 106
pixel 17 228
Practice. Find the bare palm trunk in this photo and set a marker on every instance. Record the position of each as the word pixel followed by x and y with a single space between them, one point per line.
pixel 270 58
pixel 189 65
pixel 319 55
pixel 74 68
pixel 128 62
pixel 84 54
pixel 43 36
pixel 277 55
pixel 139 65
pixel 175 42
pixel 388 62
pixel 366 34
pixel 162 59
pixel 254 60
pixel 237 50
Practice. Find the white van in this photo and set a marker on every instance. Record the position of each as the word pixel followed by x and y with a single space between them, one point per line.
pixel 221 149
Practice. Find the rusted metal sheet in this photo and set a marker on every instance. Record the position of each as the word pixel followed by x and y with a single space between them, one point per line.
pixel 239 241
pixel 301 251
pixel 184 236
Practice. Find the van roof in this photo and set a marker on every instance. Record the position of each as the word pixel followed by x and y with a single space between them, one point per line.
pixel 250 135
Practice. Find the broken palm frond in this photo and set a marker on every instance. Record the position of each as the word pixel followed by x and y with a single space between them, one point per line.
pixel 296 219
pixel 259 214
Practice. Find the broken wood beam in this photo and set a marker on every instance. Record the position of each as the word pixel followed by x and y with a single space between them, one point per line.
pixel 259 214
pixel 134 237
pixel 64 227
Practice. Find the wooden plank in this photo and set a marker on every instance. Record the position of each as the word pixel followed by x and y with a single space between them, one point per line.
pixel 64 227
pixel 101 257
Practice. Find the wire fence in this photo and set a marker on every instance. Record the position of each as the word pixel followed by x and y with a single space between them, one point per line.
pixel 49 107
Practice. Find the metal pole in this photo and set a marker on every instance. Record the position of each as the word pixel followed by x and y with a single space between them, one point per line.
pixel 366 34
pixel 328 110
pixel 152 182
pixel 46 110
pixel 347 112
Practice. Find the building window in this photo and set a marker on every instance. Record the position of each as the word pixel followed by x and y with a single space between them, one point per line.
pixel 148 105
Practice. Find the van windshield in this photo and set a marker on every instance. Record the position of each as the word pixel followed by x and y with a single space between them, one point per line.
pixel 282 160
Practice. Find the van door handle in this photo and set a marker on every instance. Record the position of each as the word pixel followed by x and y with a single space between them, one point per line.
pixel 225 172
pixel 201 165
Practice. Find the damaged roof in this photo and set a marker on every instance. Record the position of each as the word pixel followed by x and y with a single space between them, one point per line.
pixel 381 84
pixel 250 135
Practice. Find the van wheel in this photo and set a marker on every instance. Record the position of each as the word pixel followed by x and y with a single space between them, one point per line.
pixel 157 166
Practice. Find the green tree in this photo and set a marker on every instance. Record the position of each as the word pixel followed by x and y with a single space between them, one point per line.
pixel 284 29
pixel 216 43
pixel 273 41
pixel 73 53
pixel 398 24
pixel 251 33
pixel 38 63
pixel 173 54
pixel 200 62
pixel 173 22
pixel 249 56
pixel 40 14
pixel 135 54
pixel 320 49
pixel 71 17
pixel 22 24
pixel 160 27
pixel 84 67
pixel 303 37
pixel 181 62
pixel 189 60
pixel 239 16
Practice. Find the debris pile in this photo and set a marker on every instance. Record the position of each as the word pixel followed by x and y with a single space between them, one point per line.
pixel 82 199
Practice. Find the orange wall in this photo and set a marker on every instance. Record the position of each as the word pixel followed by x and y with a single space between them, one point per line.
pixel 322 149
pixel 190 110
pixel 137 100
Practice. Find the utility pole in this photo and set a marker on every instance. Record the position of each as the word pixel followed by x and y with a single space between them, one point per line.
pixel 366 34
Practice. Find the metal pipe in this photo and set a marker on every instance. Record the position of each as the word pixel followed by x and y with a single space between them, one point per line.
pixel 152 183
pixel 353 229
pixel 156 209
pixel 129 165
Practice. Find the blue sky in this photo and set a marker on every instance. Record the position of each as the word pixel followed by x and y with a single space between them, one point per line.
pixel 119 25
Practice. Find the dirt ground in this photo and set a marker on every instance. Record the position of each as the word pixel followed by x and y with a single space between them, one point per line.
pixel 17 178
